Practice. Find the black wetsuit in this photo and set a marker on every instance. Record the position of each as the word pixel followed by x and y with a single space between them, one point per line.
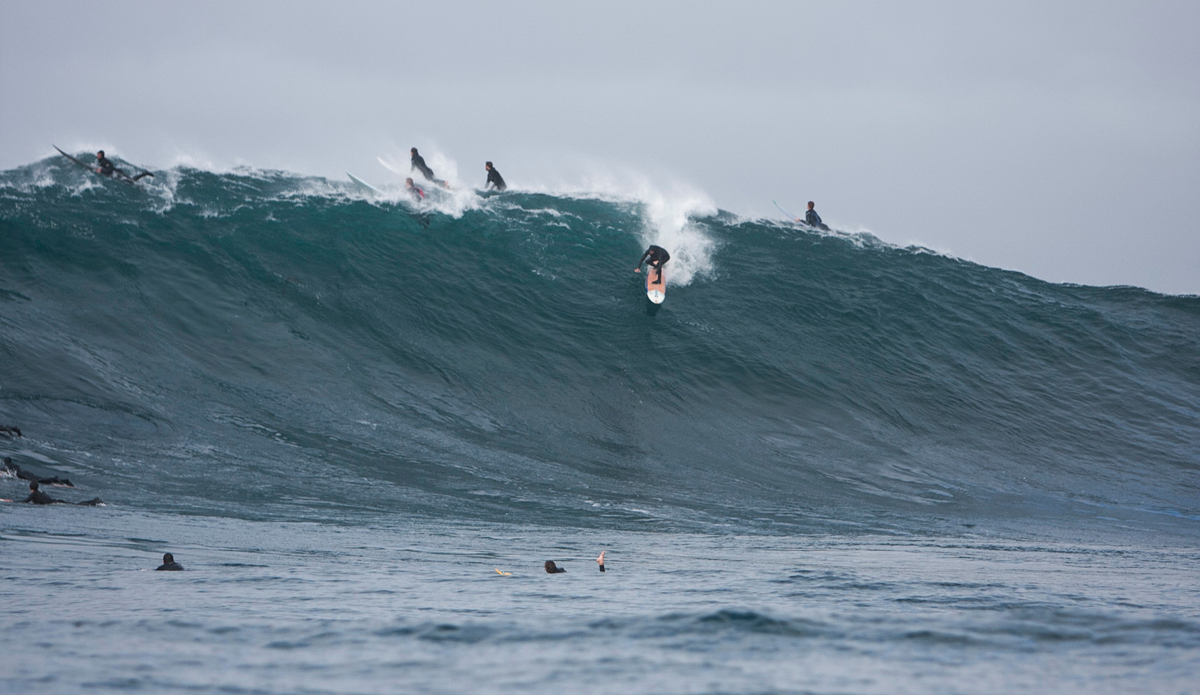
pixel 658 258
pixel 814 220
pixel 551 568
pixel 418 163
pixel 107 168
pixel 169 567
pixel 39 497
pixel 495 179
pixel 13 469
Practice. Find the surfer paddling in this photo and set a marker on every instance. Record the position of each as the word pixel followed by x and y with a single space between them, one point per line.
pixel 495 180
pixel 105 167
pixel 552 568
pixel 658 258
pixel 36 496
pixel 812 219
pixel 10 468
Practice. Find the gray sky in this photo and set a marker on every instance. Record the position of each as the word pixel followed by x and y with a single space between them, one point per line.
pixel 1058 139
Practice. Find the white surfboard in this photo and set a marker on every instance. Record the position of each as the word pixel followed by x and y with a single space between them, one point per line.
pixel 656 291
pixel 362 184
pixel 390 167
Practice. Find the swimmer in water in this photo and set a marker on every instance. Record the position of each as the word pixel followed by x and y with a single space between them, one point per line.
pixel 552 568
pixel 169 564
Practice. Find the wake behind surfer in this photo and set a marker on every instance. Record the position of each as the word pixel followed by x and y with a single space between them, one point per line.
pixel 658 258
pixel 105 167
pixel 812 219
pixel 495 180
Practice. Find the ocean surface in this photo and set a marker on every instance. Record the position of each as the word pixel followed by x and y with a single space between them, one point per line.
pixel 825 464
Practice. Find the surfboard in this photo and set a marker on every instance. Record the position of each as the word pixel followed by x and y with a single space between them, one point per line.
pixel 656 291
pixel 85 166
pixel 362 184
pixel 121 176
pixel 790 215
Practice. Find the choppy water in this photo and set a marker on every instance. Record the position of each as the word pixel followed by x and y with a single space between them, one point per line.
pixel 824 465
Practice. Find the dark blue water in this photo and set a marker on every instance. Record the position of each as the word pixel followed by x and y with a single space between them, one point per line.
pixel 825 464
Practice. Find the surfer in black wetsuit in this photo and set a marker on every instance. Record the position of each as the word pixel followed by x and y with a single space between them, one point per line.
pixel 552 568
pixel 812 219
pixel 105 167
pixel 10 431
pixel 494 178
pixel 36 496
pixel 418 164
pixel 13 469
pixel 169 564
pixel 658 258
pixel 413 190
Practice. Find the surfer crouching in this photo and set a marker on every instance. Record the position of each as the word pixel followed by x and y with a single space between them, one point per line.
pixel 658 258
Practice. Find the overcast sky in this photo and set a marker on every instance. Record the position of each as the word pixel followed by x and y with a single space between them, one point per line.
pixel 1058 139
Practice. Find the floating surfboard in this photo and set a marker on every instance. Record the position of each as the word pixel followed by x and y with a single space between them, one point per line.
pixel 362 184
pixel 656 291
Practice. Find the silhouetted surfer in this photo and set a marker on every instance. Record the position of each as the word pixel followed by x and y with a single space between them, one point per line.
pixel 169 564
pixel 36 496
pixel 10 431
pixel 105 167
pixel 812 219
pixel 552 568
pixel 13 469
pixel 658 258
pixel 418 164
pixel 494 178
pixel 413 190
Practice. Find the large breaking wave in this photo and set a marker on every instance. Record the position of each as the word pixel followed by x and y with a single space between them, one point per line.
pixel 265 345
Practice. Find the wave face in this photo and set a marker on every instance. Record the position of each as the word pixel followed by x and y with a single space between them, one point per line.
pixel 263 345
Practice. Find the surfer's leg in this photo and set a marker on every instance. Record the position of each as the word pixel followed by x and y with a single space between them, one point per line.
pixel 142 175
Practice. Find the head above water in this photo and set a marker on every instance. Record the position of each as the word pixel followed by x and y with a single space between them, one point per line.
pixel 168 558
pixel 408 182
pixel 33 486
pixel 552 568
pixel 811 204
pixel 100 154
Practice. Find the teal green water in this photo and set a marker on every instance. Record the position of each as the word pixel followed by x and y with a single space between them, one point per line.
pixel 259 364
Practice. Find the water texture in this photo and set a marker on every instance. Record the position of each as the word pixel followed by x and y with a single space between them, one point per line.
pixel 826 464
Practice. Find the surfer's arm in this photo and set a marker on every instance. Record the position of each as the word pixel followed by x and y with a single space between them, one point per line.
pixel 638 268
